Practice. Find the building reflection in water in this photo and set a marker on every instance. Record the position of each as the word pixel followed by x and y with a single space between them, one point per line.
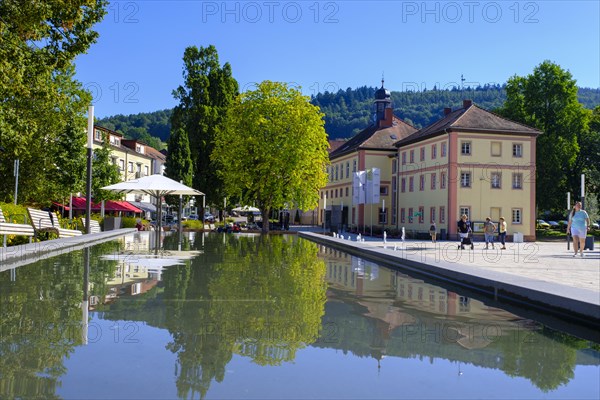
pixel 393 312
pixel 140 265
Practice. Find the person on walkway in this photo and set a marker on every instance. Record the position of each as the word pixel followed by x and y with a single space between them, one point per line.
pixel 464 228
pixel 488 231
pixel 502 233
pixel 579 223
pixel 433 231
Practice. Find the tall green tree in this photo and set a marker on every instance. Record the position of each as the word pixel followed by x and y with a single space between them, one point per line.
pixel 206 94
pixel 179 161
pixel 547 100
pixel 273 149
pixel 588 159
pixel 42 106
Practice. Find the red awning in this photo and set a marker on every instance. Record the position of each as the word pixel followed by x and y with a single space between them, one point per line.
pixel 109 205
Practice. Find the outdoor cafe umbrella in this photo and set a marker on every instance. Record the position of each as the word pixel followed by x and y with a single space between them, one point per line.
pixel 156 186
pixel 246 209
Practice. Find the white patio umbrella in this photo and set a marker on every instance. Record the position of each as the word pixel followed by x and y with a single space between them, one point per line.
pixel 246 209
pixel 156 186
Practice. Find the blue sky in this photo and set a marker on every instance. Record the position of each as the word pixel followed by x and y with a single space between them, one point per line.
pixel 328 45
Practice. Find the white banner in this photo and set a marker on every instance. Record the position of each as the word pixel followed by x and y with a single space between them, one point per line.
pixel 373 184
pixel 358 187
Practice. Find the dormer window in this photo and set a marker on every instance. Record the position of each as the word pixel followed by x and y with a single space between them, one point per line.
pixel 115 141
pixel 139 148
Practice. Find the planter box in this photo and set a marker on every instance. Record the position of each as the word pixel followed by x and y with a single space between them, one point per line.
pixel 112 223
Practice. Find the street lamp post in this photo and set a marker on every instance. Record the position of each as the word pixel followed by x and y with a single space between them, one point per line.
pixel 324 211
pixel 383 216
pixel 568 209
pixel 583 191
pixel 16 179
pixel 90 141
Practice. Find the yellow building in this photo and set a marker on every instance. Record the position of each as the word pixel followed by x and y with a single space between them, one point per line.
pixel 134 158
pixel 373 147
pixel 469 162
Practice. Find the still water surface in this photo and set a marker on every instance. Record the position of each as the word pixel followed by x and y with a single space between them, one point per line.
pixel 278 317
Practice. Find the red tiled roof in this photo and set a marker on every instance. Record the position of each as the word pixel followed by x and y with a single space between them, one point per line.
pixel 376 138
pixel 470 119
pixel 335 144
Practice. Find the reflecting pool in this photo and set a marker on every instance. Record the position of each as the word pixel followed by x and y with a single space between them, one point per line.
pixel 227 316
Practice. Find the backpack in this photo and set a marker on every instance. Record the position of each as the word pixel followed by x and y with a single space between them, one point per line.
pixel 432 228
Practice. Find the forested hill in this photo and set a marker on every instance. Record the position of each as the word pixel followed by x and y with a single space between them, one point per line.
pixel 347 111
pixel 152 128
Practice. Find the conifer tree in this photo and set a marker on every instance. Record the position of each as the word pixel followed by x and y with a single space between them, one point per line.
pixel 204 98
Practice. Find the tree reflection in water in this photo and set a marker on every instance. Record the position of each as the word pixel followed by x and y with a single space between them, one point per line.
pixel 263 297
pixel 41 320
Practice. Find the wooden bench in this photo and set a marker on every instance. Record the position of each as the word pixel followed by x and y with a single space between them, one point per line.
pixel 94 226
pixel 43 221
pixel 7 228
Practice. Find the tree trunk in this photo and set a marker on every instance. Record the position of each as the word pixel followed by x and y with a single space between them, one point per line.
pixel 265 219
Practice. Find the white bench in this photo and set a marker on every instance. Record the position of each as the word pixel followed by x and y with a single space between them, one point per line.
pixel 43 221
pixel 7 228
pixel 94 226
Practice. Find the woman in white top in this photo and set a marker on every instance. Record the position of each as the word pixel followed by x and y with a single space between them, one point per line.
pixel 579 223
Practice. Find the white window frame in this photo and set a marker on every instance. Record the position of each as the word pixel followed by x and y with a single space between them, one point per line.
pixel 465 180
pixel 466 148
pixel 517 150
pixel 517 216
pixel 496 180
pixel 517 181
pixel 465 210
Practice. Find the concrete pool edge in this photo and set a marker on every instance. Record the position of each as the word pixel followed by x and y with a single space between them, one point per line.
pixel 562 300
pixel 16 256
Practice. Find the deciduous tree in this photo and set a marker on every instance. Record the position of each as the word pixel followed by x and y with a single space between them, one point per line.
pixel 547 100
pixel 42 106
pixel 273 149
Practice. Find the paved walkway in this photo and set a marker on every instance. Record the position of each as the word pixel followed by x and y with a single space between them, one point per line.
pixel 15 256
pixel 542 272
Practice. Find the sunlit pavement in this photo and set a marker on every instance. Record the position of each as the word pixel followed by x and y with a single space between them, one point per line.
pixel 543 272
